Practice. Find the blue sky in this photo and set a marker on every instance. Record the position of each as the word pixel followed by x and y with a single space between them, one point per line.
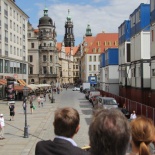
pixel 102 15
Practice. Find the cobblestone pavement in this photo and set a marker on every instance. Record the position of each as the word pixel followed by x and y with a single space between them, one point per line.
pixel 40 123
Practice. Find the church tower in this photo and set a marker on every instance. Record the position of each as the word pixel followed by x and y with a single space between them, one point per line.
pixel 88 31
pixel 69 36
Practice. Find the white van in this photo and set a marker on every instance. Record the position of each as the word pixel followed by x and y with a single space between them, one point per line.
pixel 93 93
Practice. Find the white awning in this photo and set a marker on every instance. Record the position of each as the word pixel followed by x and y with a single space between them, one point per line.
pixel 33 86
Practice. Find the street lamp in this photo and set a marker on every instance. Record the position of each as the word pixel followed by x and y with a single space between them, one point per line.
pixel 52 99
pixel 25 94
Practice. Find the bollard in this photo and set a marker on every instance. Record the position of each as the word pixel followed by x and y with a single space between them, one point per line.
pixel 52 100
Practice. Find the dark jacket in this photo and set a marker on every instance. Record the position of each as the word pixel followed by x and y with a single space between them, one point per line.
pixel 58 147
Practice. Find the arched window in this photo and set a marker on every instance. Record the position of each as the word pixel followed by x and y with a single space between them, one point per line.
pixel 32 81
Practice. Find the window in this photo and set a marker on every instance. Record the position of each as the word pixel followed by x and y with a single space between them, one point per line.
pixel 133 72
pixel 98 50
pixel 116 43
pixel 31 70
pixel 10 49
pixel 109 43
pixel 32 45
pixel 95 58
pixel 73 66
pixel 90 58
pixel 76 66
pixel 105 43
pixel 24 68
pixel 90 68
pixel 18 51
pixel 14 39
pixel 10 11
pixel 94 67
pixel 1 65
pixel 98 43
pixel 14 51
pixel 30 58
pixel 44 70
pixel 44 58
pixel 29 35
pixel 10 36
pixel 153 72
pixel 51 70
pixel 94 50
pixel 7 66
pixel 50 58
pixel 32 80
pixel 10 24
pixel 14 27
pixel 17 28
pixel 14 14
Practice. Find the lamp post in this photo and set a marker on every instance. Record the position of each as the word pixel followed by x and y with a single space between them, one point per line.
pixel 25 94
pixel 52 99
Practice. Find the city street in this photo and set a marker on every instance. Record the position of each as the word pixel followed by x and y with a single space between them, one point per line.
pixel 40 123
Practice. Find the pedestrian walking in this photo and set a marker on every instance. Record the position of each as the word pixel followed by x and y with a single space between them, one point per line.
pixel 38 100
pixel 45 95
pixel 49 96
pixel 133 115
pixel 2 124
pixel 42 100
pixel 58 90
pixel 12 111
pixel 31 106
pixel 24 105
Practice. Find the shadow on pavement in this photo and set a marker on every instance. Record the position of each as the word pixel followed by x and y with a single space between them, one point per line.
pixel 88 120
pixel 87 112
pixel 85 106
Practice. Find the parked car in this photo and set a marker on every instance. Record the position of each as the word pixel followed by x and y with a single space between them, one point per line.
pixel 106 102
pixel 76 89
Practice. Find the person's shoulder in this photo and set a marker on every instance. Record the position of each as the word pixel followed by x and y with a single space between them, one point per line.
pixel 80 151
pixel 44 142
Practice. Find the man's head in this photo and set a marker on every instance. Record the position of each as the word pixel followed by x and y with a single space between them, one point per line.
pixel 66 122
pixel 109 132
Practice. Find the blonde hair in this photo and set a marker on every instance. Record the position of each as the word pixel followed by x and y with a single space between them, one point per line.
pixel 143 131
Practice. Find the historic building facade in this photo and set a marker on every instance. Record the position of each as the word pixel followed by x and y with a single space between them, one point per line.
pixel 43 56
pixel 91 48
pixel 13 41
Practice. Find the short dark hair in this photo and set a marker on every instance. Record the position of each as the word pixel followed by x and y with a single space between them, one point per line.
pixel 66 121
pixel 109 133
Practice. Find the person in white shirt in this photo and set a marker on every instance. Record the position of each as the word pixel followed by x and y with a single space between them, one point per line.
pixel 133 115
pixel 2 124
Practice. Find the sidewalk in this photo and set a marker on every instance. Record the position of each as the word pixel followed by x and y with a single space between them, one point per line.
pixel 38 122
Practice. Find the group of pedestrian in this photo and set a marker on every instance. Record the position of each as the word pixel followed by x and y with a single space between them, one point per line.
pixel 2 123
pixel 110 133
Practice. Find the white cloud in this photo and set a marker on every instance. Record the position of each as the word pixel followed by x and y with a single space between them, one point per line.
pixel 102 18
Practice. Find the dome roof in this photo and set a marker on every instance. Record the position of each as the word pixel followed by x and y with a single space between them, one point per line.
pixel 45 20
